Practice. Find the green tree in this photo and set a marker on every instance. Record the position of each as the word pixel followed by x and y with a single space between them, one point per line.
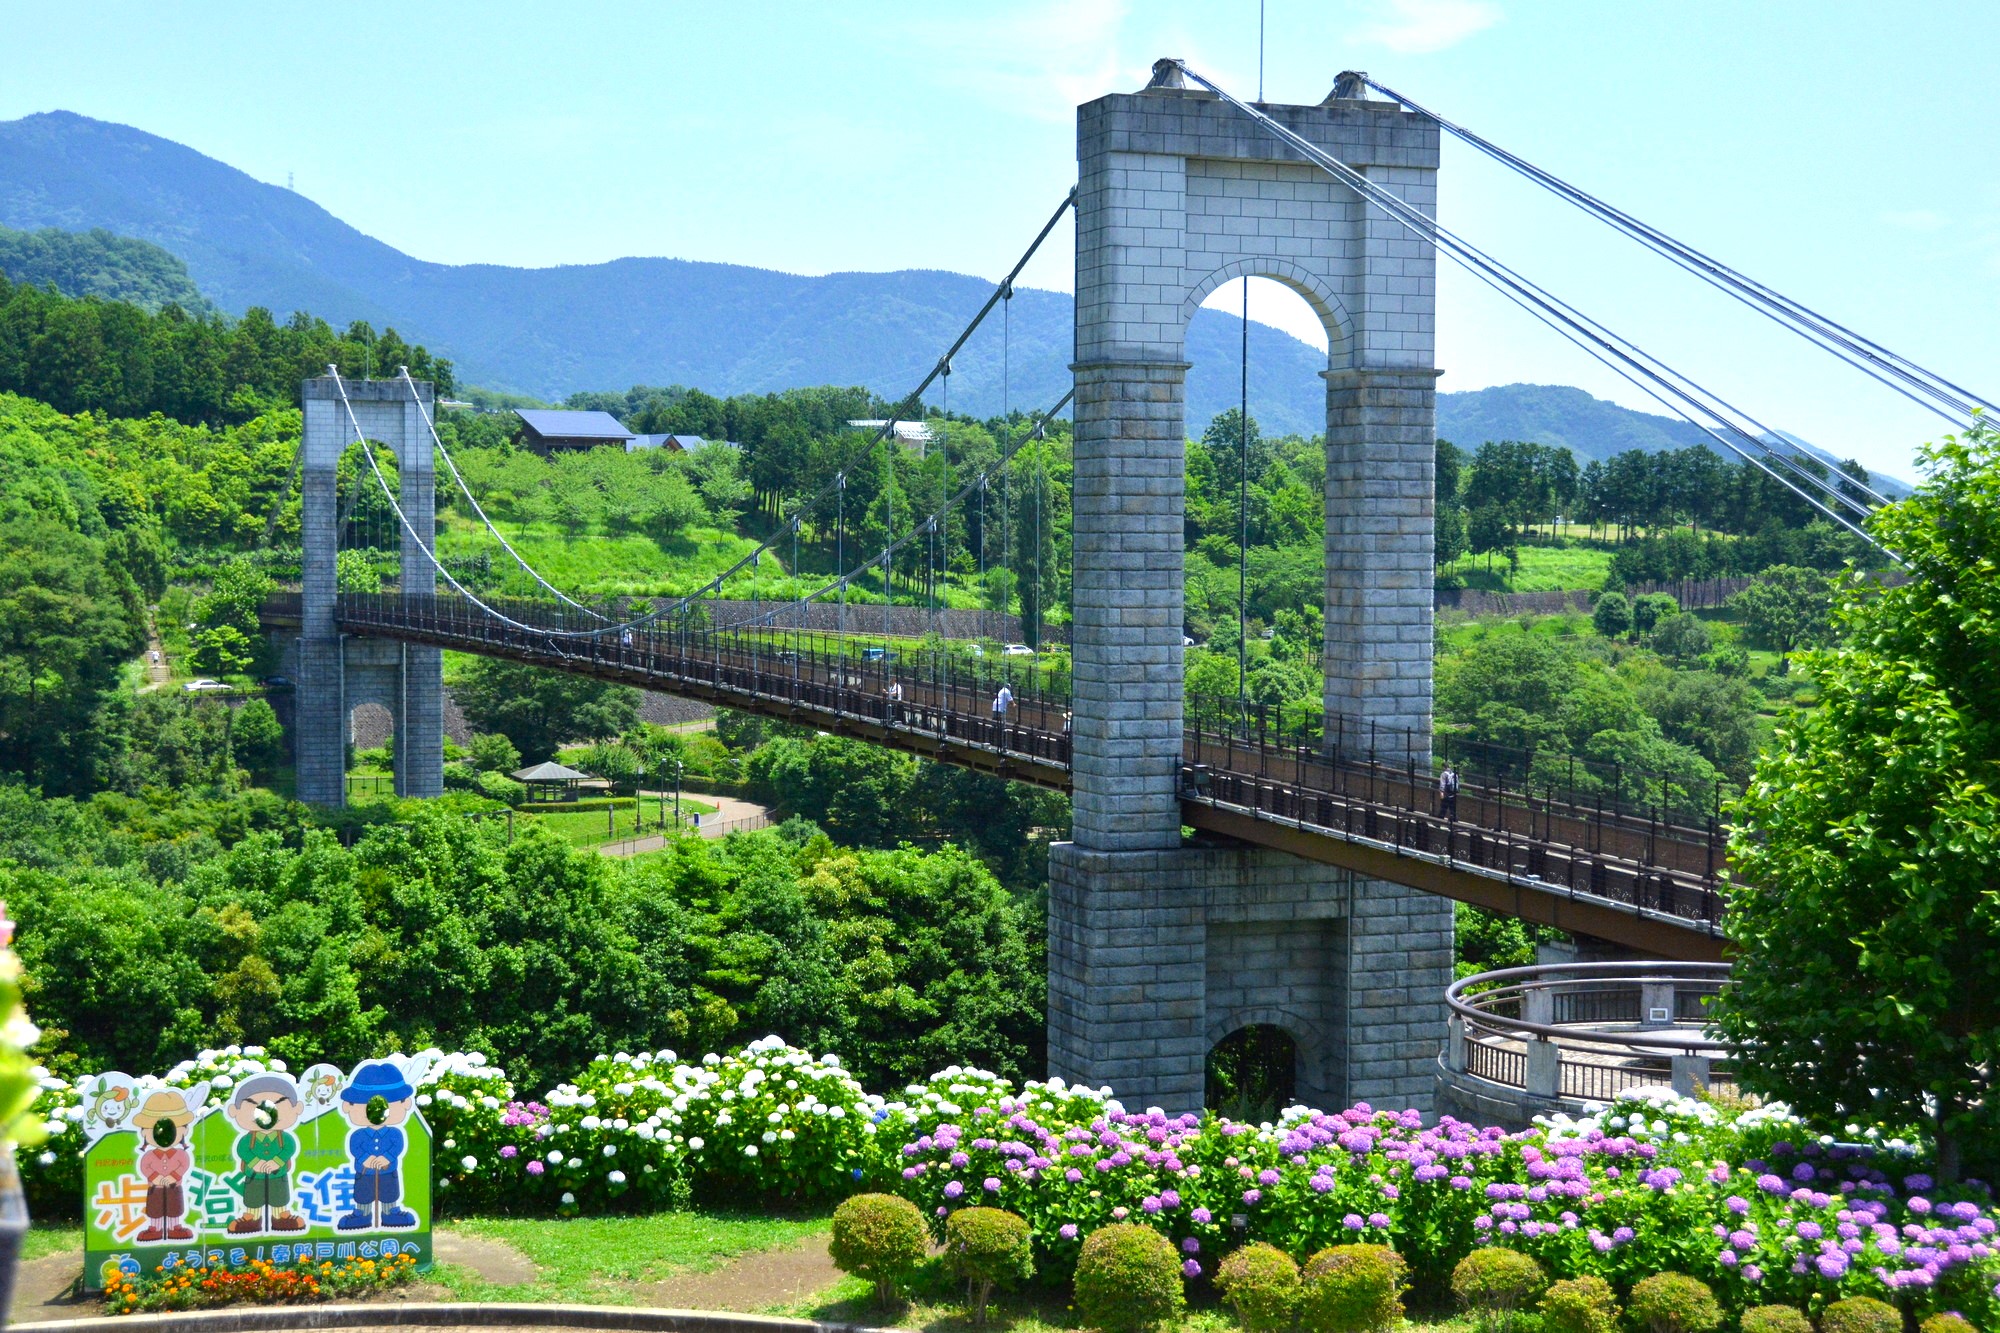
pixel 258 739
pixel 1786 608
pixel 1612 616
pixel 1682 638
pixel 1866 851
pixel 541 710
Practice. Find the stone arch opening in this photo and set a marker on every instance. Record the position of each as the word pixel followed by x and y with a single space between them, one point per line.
pixel 371 750
pixel 1336 326
pixel 1252 1074
pixel 370 535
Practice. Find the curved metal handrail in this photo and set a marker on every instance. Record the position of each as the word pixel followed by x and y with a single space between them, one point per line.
pixel 1516 982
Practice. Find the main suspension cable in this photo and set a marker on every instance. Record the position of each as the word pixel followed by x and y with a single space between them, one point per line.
pixel 1620 354
pixel 473 500
pixel 1949 400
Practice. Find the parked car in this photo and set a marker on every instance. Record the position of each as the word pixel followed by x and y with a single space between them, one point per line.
pixel 276 684
pixel 206 686
pixel 1017 650
pixel 877 655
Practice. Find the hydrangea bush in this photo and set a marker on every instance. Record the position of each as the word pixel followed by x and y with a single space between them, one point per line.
pixel 1754 1203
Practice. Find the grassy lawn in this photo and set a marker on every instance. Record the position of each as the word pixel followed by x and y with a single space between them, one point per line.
pixel 1543 569
pixel 602 564
pixel 44 1239
pixel 600 1260
pixel 586 828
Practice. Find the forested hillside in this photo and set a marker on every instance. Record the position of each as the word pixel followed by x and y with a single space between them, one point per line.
pixel 97 263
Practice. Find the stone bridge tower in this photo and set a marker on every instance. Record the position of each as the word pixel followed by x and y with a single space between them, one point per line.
pixel 335 673
pixel 1157 951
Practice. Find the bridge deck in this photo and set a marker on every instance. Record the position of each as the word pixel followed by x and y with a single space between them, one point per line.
pixel 1643 883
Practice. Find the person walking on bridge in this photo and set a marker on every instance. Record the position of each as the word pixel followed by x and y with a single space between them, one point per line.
pixel 895 698
pixel 1002 701
pixel 1447 794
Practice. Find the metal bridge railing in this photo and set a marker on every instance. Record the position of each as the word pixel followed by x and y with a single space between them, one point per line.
pixel 1528 834
pixel 1585 1032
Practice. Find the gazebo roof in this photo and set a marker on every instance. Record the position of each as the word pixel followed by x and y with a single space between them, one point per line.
pixel 549 771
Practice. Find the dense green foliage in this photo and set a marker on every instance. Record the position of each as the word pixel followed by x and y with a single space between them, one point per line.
pixel 1775 1319
pixel 866 796
pixel 539 710
pixel 1864 913
pixel 1493 1283
pixel 146 937
pixel 880 1237
pixel 97 263
pixel 1352 1289
pixel 1585 1305
pixel 90 355
pixel 1128 1278
pixel 1676 1303
pixel 986 1248
pixel 1260 1284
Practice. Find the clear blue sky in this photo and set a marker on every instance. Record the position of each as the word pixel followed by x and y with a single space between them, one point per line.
pixel 1843 152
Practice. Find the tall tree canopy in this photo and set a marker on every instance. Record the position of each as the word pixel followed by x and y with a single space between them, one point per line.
pixel 1865 906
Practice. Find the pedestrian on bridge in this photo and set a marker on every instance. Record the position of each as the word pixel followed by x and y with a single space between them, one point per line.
pixel 895 697
pixel 1002 701
pixel 1448 794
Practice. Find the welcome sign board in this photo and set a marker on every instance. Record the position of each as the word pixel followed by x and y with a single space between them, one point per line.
pixel 325 1166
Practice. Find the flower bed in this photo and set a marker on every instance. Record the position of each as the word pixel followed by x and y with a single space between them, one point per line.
pixel 1753 1203
pixel 198 1286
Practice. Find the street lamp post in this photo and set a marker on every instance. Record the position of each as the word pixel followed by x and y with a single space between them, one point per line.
pixel 677 793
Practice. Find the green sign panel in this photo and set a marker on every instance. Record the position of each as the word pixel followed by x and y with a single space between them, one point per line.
pixel 326 1166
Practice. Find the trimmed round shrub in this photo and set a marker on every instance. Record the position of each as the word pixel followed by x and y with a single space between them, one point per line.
pixel 1860 1314
pixel 1775 1319
pixel 1260 1284
pixel 1946 1323
pixel 1580 1305
pixel 1674 1303
pixel 880 1237
pixel 1493 1283
pixel 987 1248
pixel 1351 1289
pixel 1128 1278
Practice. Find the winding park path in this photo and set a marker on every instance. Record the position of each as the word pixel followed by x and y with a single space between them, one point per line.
pixel 484 1269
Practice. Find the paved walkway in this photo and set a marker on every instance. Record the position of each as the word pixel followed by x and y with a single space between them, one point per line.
pixel 731 815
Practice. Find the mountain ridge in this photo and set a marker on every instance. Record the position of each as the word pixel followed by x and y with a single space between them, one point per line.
pixel 728 328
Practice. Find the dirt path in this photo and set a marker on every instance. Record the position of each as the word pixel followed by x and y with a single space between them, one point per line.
pixel 159 671
pixel 751 1283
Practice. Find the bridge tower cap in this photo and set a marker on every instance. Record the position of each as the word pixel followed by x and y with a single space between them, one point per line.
pixel 1167 74
pixel 1350 85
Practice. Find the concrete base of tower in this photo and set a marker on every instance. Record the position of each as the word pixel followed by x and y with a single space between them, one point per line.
pixel 1154 957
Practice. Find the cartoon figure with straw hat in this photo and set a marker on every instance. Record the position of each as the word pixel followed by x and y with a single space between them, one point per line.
pixel 162 1126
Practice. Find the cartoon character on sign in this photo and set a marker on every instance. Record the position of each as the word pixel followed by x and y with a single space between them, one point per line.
pixel 162 1125
pixel 113 1099
pixel 376 1103
pixel 321 1085
pixel 265 1107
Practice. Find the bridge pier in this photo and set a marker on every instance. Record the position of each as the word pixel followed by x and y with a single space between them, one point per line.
pixel 1154 957
pixel 337 673
pixel 1156 950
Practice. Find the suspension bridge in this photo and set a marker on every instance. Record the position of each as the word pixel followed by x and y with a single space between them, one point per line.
pixel 1316 893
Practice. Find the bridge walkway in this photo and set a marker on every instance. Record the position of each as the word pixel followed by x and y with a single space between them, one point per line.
pixel 1646 883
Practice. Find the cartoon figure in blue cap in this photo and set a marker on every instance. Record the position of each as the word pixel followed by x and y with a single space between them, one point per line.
pixel 376 1102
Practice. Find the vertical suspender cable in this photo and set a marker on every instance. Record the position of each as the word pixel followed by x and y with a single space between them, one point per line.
pixel 1243 508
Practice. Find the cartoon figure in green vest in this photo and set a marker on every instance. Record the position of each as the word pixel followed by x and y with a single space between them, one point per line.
pixel 376 1103
pixel 265 1107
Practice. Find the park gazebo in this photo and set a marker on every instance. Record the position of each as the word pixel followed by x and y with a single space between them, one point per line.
pixel 551 782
